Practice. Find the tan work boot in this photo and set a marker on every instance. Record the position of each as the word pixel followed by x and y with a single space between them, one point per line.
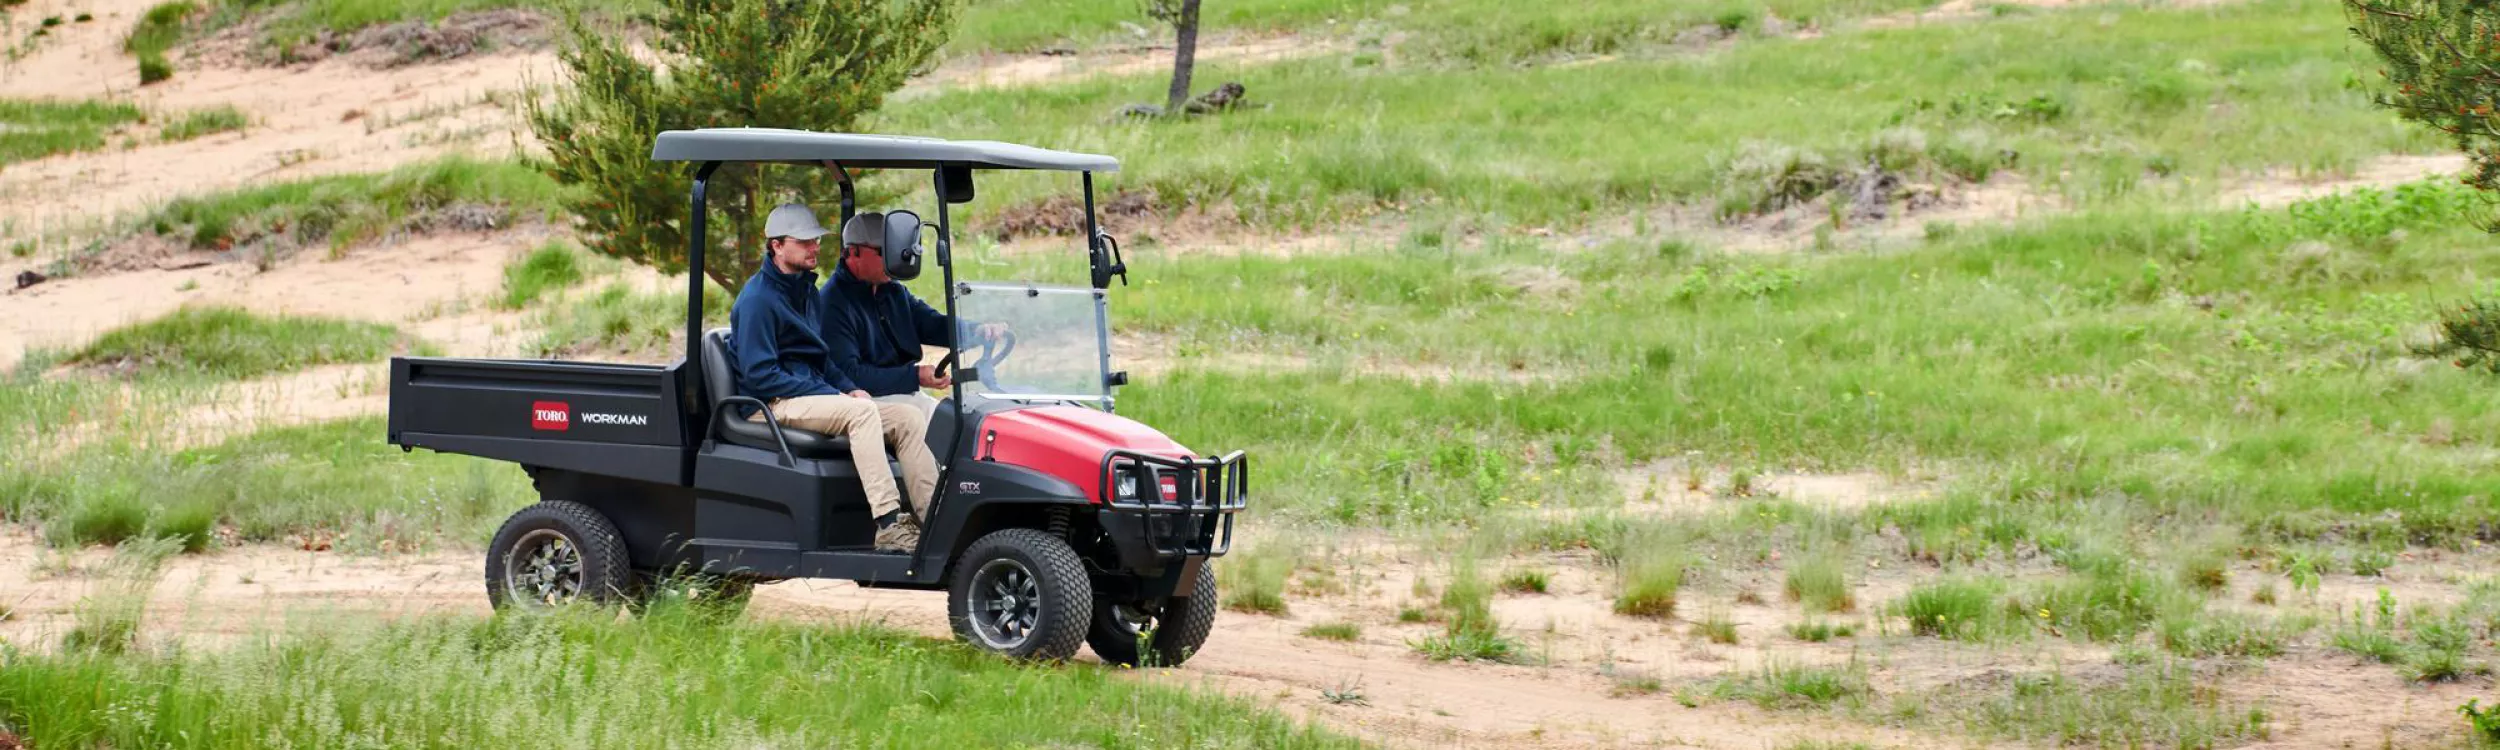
pixel 903 536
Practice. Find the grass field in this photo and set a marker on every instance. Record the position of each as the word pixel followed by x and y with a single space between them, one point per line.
pixel 591 681
pixel 2092 105
pixel 2160 444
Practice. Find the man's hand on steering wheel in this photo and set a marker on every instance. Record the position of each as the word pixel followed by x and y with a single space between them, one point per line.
pixel 929 378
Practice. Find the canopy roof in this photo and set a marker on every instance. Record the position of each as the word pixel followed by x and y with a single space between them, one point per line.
pixel 865 151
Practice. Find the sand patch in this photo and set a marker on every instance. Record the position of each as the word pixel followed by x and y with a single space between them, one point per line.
pixel 419 277
pixel 1676 487
pixel 992 70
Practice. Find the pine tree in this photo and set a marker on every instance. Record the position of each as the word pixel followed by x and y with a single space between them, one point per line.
pixel 2442 69
pixel 802 64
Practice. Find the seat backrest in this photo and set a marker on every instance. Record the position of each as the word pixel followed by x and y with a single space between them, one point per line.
pixel 718 378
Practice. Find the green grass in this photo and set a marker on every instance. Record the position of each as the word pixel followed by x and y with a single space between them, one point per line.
pixel 2090 102
pixel 1648 579
pixel 1472 634
pixel 230 342
pixel 1952 609
pixel 2217 634
pixel 204 122
pixel 1463 31
pixel 36 128
pixel 335 482
pixel 449 682
pixel 552 266
pixel 1254 582
pixel 1341 631
pixel 1526 581
pixel 622 321
pixel 1716 629
pixel 2103 605
pixel 1791 686
pixel 1844 370
pixel 342 209
pixel 1819 632
pixel 156 34
pixel 1821 584
pixel 2160 704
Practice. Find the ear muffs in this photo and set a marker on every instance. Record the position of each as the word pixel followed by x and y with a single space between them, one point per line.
pixel 902 245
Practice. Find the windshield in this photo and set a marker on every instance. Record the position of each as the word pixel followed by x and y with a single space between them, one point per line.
pixel 1052 347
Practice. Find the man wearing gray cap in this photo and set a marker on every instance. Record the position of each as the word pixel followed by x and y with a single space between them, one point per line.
pixel 781 361
pixel 874 328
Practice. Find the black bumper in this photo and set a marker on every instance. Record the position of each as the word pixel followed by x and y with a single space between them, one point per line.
pixel 1152 531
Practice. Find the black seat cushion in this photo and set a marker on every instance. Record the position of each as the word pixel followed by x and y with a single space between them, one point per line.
pixel 736 429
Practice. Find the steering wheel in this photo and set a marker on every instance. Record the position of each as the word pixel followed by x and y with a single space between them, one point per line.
pixel 993 351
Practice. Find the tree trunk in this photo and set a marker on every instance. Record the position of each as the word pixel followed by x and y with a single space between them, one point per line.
pixel 1184 56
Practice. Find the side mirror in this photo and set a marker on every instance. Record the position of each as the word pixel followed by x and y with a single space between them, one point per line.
pixel 902 245
pixel 958 183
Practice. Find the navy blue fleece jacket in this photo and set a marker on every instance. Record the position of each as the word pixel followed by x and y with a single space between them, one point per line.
pixel 773 338
pixel 873 333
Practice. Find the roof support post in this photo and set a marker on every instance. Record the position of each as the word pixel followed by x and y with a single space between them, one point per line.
pixel 694 267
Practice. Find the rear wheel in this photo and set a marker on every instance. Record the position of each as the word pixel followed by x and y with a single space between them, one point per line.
pixel 556 553
pixel 1159 632
pixel 1021 593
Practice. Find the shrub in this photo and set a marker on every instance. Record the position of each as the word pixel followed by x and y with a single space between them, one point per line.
pixel 153 68
pixel 1334 631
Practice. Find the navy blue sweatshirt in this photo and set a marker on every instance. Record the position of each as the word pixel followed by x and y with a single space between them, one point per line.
pixel 873 333
pixel 773 338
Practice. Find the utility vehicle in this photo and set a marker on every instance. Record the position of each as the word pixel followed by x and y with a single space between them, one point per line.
pixel 1056 522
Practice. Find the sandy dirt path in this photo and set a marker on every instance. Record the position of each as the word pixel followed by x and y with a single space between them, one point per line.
pixel 1565 701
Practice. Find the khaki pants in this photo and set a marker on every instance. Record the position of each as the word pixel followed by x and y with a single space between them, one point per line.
pixel 871 426
pixel 922 401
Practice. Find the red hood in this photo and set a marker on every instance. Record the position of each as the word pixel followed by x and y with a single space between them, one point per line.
pixel 1069 442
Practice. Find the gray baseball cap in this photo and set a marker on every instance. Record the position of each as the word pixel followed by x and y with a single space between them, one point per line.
pixel 864 229
pixel 794 221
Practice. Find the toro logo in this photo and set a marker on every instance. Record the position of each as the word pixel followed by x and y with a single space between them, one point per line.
pixel 551 415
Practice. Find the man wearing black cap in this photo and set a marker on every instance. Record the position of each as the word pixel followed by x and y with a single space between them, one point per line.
pixel 874 327
pixel 781 360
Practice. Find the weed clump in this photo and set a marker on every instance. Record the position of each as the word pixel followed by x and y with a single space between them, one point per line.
pixel 1526 581
pixel 1255 583
pixel 552 266
pixel 205 122
pixel 1821 584
pixel 1952 610
pixel 1334 631
pixel 1472 633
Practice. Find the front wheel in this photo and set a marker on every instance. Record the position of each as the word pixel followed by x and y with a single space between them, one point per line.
pixel 556 553
pixel 1023 594
pixel 1166 631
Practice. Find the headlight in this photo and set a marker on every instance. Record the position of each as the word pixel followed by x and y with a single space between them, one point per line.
pixel 1124 484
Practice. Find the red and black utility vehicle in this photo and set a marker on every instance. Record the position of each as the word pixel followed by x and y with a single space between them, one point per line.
pixel 1056 521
